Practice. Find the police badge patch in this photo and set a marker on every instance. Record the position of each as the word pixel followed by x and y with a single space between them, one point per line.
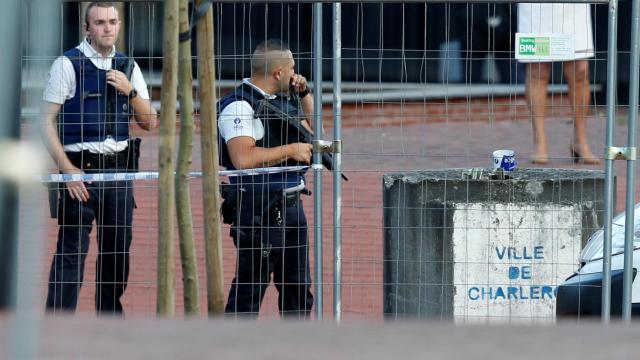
pixel 237 122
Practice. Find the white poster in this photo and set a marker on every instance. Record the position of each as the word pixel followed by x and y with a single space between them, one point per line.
pixel 544 47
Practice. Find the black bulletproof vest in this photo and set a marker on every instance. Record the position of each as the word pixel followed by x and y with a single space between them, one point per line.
pixel 276 133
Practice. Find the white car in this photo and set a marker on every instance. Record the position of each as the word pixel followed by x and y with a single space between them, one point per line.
pixel 581 294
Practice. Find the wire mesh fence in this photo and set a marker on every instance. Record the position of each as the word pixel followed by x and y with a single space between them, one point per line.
pixel 429 91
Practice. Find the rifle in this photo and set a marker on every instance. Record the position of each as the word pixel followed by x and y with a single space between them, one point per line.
pixel 266 110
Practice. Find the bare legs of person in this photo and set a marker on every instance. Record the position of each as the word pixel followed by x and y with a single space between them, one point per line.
pixel 536 96
pixel 577 77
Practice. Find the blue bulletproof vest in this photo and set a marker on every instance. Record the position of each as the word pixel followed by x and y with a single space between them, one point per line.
pixel 276 133
pixel 97 110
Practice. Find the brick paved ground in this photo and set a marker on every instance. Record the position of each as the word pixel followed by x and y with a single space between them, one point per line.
pixel 85 338
pixel 378 138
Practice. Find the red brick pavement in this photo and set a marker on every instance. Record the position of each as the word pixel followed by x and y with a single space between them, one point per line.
pixel 378 138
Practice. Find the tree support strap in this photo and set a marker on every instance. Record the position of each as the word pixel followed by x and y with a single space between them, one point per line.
pixel 197 13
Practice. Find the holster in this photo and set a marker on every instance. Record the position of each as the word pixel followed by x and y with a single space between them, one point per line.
pixel 229 206
pixel 245 210
pixel 53 192
pixel 133 158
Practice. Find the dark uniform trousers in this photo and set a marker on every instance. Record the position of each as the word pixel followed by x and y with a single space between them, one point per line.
pixel 280 248
pixel 110 205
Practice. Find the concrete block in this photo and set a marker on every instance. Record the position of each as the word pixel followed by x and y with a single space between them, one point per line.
pixel 485 249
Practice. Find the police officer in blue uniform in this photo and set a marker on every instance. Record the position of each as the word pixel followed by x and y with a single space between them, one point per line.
pixel 269 228
pixel 91 94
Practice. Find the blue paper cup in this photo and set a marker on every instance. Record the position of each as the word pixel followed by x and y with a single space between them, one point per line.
pixel 505 160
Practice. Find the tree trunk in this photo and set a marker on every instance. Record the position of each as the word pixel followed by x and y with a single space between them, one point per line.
pixel 210 181
pixel 183 200
pixel 165 291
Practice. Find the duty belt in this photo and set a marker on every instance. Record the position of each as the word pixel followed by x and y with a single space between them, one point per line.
pixel 88 161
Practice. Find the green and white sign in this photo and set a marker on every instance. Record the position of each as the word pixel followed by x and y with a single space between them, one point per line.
pixel 544 47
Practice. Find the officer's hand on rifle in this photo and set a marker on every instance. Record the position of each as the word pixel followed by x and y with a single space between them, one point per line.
pixel 301 152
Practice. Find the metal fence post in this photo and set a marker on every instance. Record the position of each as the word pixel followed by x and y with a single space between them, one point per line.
pixel 612 68
pixel 41 31
pixel 9 131
pixel 317 157
pixel 631 164
pixel 337 162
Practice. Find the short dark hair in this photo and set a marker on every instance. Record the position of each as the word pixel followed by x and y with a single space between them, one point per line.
pixel 259 60
pixel 102 4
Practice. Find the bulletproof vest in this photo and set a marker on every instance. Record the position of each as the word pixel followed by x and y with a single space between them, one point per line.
pixel 97 110
pixel 276 133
